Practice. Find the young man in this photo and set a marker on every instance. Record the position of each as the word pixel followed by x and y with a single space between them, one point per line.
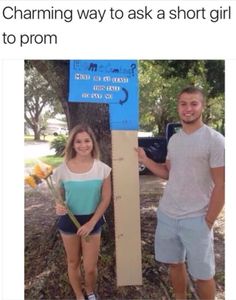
pixel 193 198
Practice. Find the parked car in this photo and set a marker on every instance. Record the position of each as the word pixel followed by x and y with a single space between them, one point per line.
pixel 156 147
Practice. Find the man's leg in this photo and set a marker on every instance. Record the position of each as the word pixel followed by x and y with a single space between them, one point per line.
pixel 199 242
pixel 206 289
pixel 178 277
pixel 169 250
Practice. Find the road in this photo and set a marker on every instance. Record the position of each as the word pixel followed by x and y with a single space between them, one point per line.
pixel 37 149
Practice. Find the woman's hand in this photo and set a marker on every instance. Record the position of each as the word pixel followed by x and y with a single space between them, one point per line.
pixel 60 209
pixel 85 229
pixel 141 155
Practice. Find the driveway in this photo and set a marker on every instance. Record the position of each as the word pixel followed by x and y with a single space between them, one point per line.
pixel 37 149
pixel 150 184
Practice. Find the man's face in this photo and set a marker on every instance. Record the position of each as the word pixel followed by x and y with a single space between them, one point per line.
pixel 190 107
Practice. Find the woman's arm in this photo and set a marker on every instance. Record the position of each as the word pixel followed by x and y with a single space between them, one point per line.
pixel 59 206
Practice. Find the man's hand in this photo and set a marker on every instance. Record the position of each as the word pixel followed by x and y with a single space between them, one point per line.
pixel 142 157
pixel 209 223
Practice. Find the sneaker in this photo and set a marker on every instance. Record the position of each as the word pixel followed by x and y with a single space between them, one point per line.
pixel 91 297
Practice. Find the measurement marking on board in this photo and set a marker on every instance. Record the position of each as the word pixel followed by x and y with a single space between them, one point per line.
pixel 126 200
pixel 118 159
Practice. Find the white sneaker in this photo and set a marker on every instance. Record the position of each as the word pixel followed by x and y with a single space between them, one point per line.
pixel 92 297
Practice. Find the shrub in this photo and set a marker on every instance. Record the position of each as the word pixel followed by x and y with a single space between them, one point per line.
pixel 59 144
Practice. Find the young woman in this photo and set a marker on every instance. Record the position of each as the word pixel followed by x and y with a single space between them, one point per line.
pixel 85 185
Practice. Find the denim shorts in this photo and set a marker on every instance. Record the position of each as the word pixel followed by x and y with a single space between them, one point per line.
pixel 190 240
pixel 66 226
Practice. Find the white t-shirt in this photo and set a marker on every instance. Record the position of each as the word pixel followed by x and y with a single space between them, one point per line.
pixel 190 184
pixel 82 190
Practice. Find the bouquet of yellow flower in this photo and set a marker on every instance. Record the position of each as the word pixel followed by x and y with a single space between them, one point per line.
pixel 43 172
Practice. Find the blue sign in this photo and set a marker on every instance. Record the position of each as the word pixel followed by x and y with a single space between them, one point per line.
pixel 114 82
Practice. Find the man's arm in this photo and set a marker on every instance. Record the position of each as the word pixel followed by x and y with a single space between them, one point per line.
pixel 160 170
pixel 218 195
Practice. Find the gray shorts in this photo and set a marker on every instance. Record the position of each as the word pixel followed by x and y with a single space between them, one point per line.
pixel 190 240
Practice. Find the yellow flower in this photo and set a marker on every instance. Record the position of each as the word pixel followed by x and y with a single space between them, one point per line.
pixel 30 181
pixel 42 170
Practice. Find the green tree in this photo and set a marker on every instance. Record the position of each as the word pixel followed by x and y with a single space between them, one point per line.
pixel 160 82
pixel 56 73
pixel 157 96
pixel 38 97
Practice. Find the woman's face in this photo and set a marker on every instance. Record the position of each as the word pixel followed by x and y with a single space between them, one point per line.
pixel 83 144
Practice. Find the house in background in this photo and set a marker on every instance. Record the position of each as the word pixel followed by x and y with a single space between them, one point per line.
pixel 56 127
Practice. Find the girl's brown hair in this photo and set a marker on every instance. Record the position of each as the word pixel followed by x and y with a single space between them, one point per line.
pixel 70 151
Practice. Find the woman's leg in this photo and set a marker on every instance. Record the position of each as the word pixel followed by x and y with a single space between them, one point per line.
pixel 72 244
pixel 90 249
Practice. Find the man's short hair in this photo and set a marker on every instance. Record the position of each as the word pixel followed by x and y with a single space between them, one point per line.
pixel 192 90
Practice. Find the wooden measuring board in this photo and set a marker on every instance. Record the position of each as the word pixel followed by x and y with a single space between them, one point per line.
pixel 126 208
